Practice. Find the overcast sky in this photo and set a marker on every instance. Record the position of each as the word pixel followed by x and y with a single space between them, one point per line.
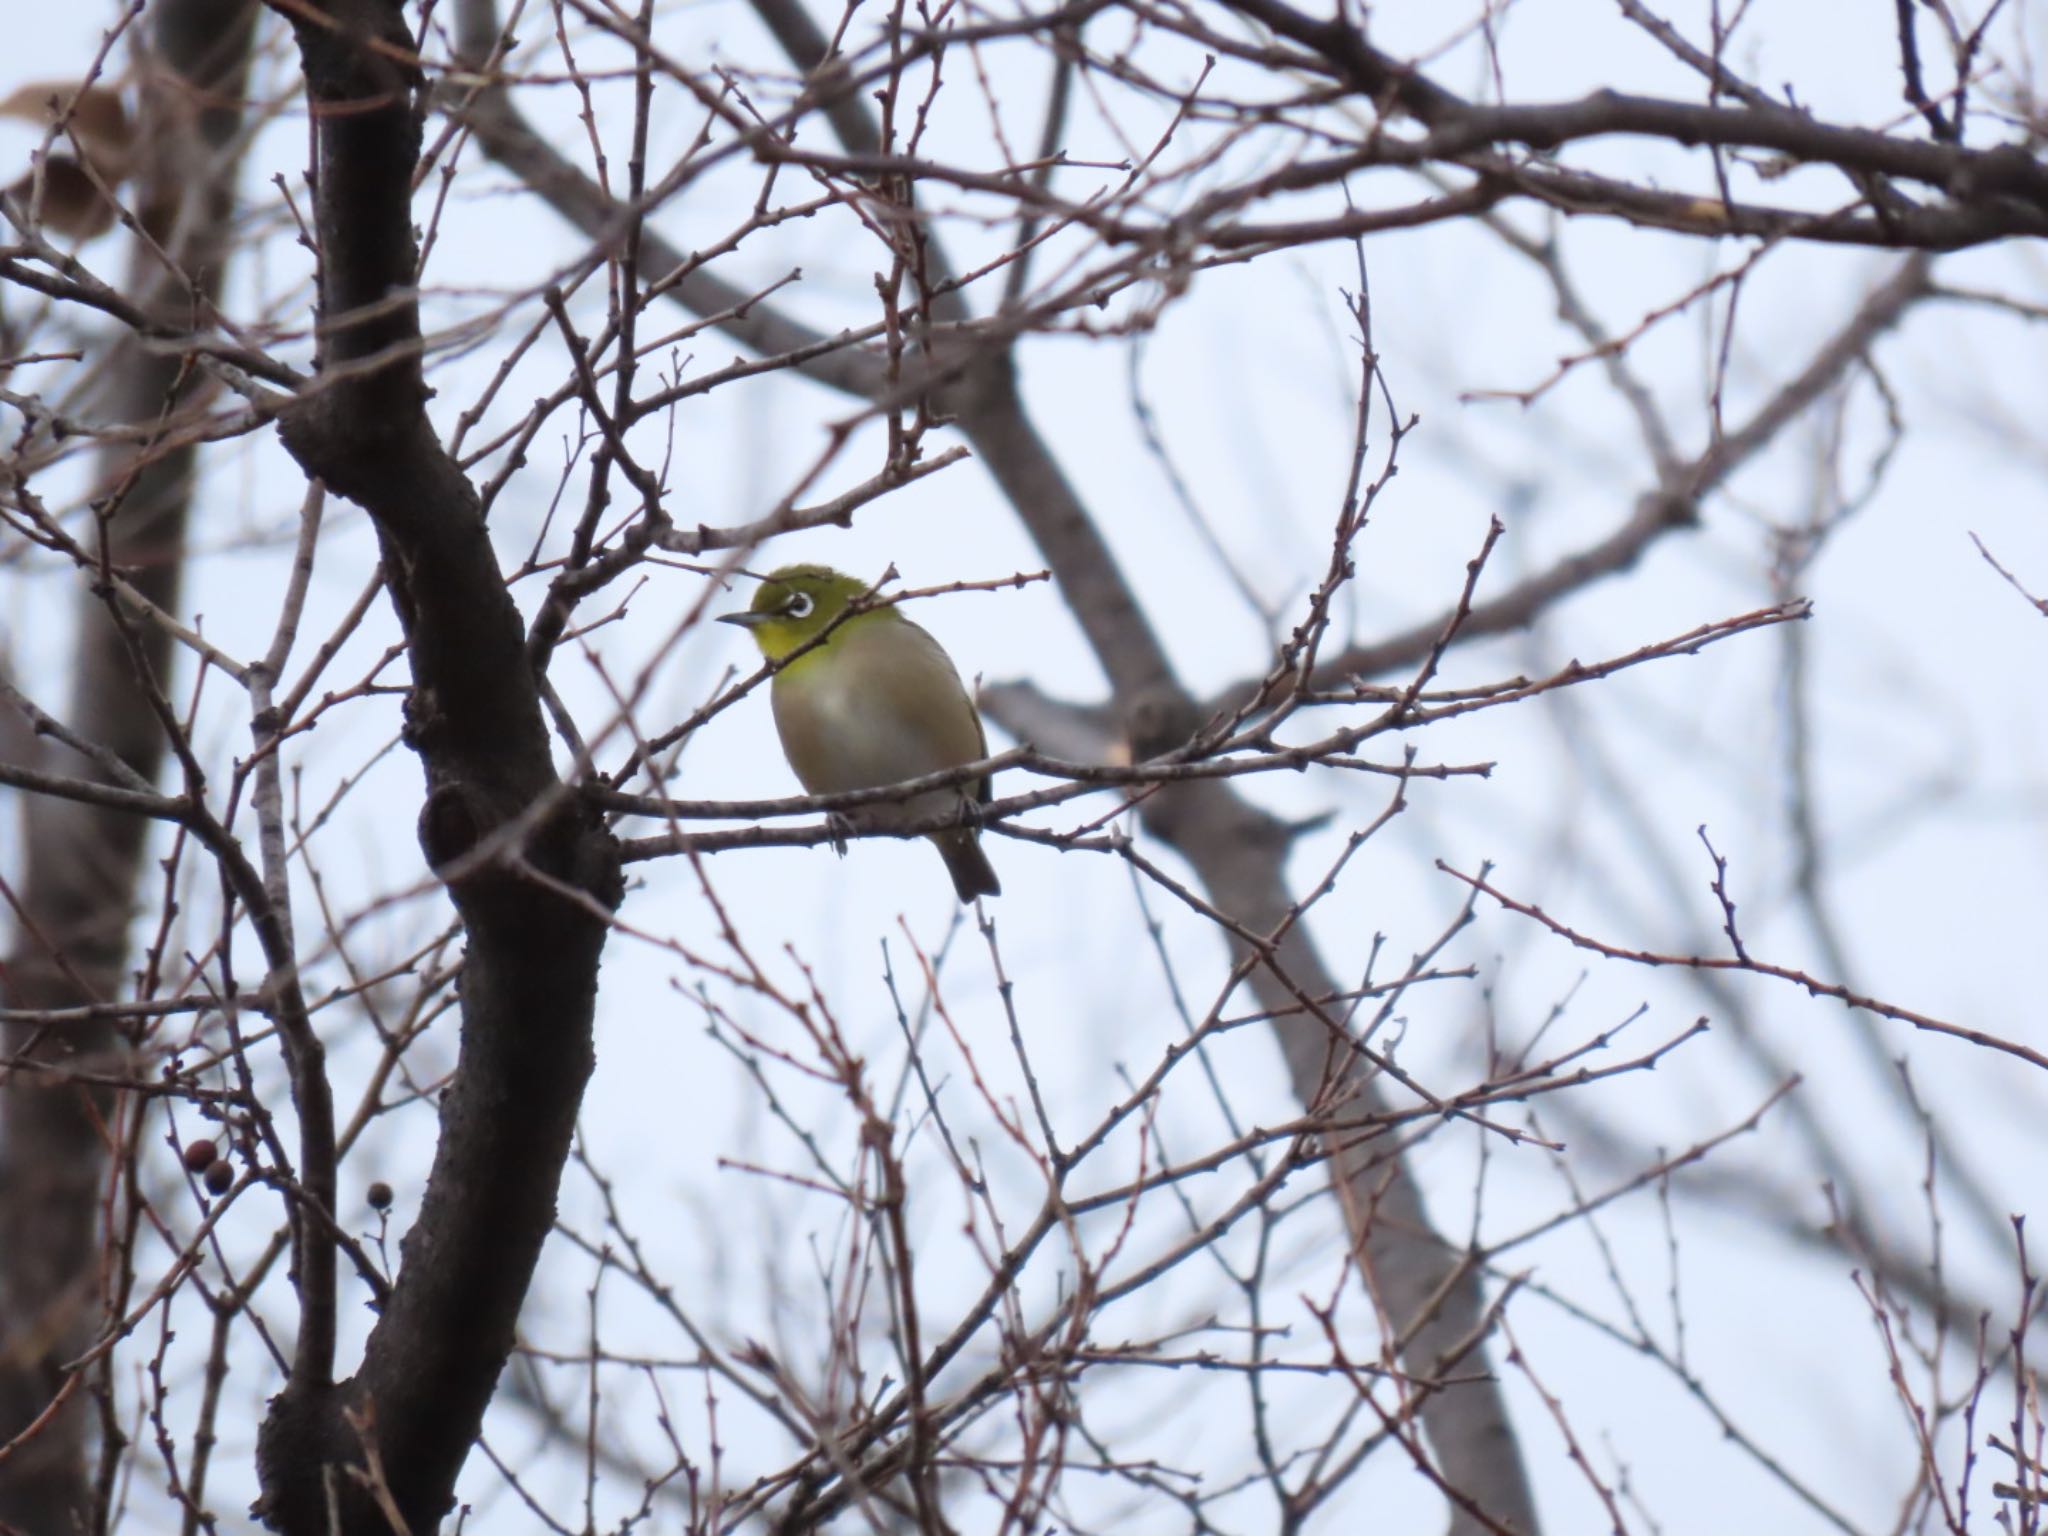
pixel 1927 754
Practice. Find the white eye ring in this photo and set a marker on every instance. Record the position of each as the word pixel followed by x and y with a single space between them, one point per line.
pixel 799 605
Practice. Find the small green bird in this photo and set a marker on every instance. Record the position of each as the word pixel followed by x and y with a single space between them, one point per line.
pixel 876 703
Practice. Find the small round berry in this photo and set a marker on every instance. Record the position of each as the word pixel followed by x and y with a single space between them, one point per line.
pixel 201 1155
pixel 220 1177
pixel 379 1195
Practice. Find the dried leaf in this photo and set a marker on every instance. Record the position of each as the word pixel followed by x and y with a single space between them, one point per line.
pixel 72 204
pixel 94 120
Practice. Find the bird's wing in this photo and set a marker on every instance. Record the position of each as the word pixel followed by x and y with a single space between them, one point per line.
pixel 922 696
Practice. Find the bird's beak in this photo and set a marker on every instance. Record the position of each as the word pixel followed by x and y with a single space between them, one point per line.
pixel 745 620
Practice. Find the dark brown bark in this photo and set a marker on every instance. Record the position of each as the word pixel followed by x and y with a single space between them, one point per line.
pixel 531 870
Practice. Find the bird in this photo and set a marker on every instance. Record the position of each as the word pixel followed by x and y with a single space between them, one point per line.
pixel 874 702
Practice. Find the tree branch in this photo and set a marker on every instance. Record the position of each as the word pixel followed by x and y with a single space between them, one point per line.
pixel 531 869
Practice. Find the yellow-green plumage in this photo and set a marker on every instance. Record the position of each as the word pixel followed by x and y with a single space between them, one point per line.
pixel 875 703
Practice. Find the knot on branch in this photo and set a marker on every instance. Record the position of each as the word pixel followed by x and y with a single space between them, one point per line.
pixel 502 864
pixel 453 825
pixel 2007 169
pixel 359 435
pixel 1670 507
pixel 302 1435
pixel 595 864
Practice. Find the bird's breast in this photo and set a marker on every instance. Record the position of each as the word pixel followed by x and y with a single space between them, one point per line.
pixel 875 708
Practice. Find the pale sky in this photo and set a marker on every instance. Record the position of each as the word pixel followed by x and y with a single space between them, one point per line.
pixel 1928 756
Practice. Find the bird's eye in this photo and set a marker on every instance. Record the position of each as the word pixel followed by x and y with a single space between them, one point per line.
pixel 799 605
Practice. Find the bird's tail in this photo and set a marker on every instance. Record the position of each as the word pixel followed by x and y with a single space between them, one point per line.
pixel 972 873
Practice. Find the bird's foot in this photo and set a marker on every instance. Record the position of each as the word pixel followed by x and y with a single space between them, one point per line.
pixel 840 826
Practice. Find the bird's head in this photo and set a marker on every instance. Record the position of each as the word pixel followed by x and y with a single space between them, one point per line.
pixel 795 603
